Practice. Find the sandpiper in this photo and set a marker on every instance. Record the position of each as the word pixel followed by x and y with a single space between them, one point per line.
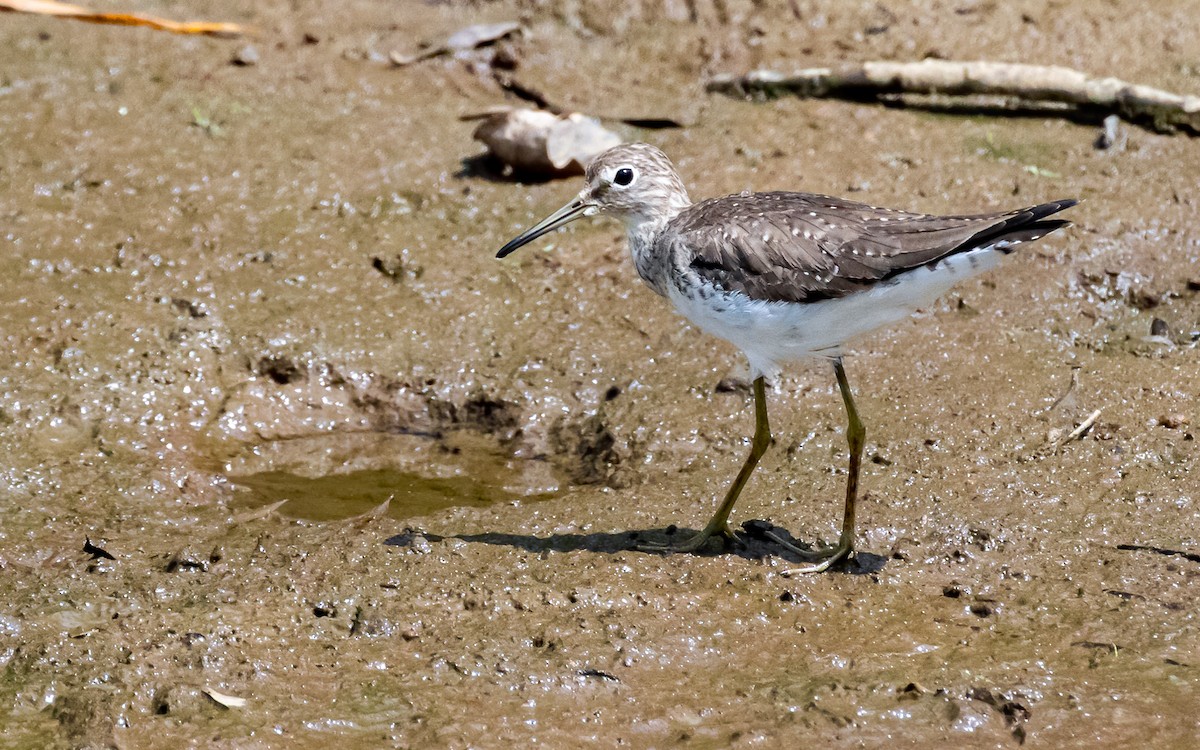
pixel 784 276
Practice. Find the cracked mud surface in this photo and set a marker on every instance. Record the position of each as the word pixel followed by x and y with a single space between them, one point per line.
pixel 228 286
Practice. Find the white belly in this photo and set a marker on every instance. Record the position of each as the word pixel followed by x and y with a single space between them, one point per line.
pixel 771 333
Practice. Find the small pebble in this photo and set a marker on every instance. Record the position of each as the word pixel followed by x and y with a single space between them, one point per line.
pixel 1111 134
pixel 982 609
pixel 1174 421
pixel 732 385
pixel 246 56
pixel 1144 299
pixel 1158 327
pixel 913 688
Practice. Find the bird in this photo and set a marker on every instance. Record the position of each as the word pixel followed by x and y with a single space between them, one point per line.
pixel 787 276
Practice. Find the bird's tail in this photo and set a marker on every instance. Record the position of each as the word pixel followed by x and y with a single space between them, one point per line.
pixel 1022 226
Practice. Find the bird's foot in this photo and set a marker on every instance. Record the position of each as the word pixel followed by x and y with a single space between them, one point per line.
pixel 693 543
pixel 823 559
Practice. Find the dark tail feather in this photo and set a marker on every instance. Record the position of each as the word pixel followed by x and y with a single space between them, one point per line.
pixel 1028 233
pixel 1023 226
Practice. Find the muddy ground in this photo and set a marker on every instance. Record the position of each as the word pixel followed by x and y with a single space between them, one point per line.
pixel 226 286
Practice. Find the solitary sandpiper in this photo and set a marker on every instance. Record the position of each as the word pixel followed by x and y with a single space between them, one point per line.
pixel 784 276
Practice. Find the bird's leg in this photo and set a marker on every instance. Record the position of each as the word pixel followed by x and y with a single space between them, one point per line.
pixel 719 523
pixel 856 435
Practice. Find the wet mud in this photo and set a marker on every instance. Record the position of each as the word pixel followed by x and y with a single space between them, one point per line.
pixel 246 304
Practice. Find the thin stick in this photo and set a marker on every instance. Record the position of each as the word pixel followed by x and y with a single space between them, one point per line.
pixel 1073 90
pixel 1082 429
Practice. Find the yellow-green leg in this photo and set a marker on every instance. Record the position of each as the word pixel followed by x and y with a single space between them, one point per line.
pixel 719 523
pixel 856 435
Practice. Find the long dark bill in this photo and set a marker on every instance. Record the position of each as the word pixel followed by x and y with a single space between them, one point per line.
pixel 564 215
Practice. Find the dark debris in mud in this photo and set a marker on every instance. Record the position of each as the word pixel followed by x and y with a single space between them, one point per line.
pixel 1192 556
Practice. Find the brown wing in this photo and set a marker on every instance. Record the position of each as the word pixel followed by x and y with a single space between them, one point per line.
pixel 799 247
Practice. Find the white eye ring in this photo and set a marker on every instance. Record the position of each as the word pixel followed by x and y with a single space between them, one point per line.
pixel 624 177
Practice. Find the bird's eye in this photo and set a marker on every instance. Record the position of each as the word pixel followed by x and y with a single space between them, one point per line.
pixel 623 177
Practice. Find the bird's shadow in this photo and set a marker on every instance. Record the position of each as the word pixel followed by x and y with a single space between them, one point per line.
pixel 749 543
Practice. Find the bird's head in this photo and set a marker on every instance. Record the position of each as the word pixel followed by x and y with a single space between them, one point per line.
pixel 634 182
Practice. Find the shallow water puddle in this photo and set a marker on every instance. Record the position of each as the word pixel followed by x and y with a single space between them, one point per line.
pixel 338 496
pixel 336 477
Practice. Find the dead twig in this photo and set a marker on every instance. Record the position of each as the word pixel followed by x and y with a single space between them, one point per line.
pixel 1077 433
pixel 224 699
pixel 1055 440
pixel 80 13
pixel 1026 85
pixel 1082 429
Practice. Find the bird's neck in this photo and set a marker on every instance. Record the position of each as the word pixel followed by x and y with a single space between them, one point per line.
pixel 643 230
pixel 644 226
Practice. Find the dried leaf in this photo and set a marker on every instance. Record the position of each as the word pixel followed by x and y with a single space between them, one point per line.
pixel 464 39
pixel 66 10
pixel 575 139
pixel 538 142
pixel 481 34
